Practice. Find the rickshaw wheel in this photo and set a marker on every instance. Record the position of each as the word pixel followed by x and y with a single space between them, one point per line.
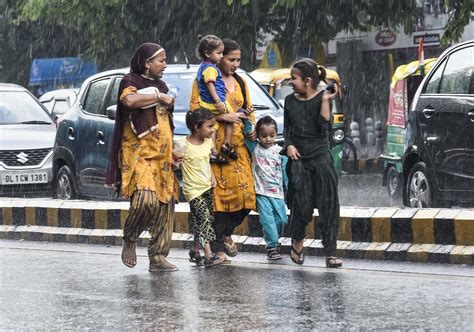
pixel 394 182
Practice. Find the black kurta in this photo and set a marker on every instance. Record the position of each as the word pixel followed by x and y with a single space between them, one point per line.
pixel 312 178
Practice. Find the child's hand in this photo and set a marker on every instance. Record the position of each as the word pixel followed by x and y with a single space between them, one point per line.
pixel 221 106
pixel 249 111
pixel 177 161
pixel 328 95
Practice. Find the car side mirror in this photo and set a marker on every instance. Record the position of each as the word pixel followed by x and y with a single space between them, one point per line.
pixel 111 111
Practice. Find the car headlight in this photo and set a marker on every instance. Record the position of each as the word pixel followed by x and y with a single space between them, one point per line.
pixel 338 135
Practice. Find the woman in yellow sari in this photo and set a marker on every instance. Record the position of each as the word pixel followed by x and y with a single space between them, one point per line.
pixel 234 194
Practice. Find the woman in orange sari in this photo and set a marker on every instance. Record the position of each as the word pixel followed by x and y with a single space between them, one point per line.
pixel 234 194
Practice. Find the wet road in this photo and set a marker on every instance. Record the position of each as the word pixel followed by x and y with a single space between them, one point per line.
pixel 66 286
pixel 365 190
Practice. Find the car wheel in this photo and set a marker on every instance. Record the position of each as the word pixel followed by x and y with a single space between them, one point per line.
pixel 64 188
pixel 420 189
pixel 394 182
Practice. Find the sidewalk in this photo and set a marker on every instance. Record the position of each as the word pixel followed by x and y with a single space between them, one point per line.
pixel 417 235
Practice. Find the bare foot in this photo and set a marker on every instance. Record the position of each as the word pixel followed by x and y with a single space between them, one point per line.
pixel 129 256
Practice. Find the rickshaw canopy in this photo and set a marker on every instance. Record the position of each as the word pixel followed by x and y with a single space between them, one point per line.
pixel 412 68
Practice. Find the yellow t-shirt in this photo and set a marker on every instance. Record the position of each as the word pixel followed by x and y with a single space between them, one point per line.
pixel 196 169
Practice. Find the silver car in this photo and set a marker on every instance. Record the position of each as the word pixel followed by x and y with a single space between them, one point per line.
pixel 27 133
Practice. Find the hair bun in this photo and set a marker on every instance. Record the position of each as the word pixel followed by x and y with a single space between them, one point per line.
pixel 322 73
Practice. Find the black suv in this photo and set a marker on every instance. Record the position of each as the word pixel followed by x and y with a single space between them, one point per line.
pixel 84 135
pixel 438 163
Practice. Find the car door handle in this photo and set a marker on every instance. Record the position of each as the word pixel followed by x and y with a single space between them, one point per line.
pixel 471 115
pixel 71 134
pixel 432 139
pixel 100 137
pixel 428 112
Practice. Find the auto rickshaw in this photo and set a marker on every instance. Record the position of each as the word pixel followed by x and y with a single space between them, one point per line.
pixel 277 82
pixel 405 82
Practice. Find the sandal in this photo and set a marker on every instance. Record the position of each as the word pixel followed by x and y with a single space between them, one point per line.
pixel 333 262
pixel 129 255
pixel 273 254
pixel 229 150
pixel 164 266
pixel 300 259
pixel 196 258
pixel 213 261
pixel 216 158
pixel 231 249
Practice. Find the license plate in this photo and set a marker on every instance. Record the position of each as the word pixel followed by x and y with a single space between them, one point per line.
pixel 23 178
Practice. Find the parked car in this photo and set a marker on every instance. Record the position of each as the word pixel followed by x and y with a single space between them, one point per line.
pixel 438 162
pixel 27 134
pixel 58 102
pixel 84 136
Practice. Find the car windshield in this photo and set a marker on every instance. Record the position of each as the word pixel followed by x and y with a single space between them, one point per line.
pixel 19 107
pixel 181 84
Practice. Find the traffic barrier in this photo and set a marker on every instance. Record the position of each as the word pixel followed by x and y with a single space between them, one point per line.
pixel 419 235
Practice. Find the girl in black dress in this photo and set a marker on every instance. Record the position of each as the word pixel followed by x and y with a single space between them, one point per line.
pixel 311 173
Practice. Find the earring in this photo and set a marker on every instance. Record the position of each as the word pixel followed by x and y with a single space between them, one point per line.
pixel 147 72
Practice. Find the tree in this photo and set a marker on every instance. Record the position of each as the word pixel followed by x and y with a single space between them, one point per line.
pixel 108 31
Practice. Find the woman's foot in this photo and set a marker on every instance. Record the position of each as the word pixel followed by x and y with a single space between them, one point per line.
pixel 230 248
pixel 333 262
pixel 162 266
pixel 212 261
pixel 229 150
pixel 129 255
pixel 296 254
pixel 223 257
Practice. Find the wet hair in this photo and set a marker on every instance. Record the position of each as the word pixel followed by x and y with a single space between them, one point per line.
pixel 308 68
pixel 230 45
pixel 267 120
pixel 207 43
pixel 195 119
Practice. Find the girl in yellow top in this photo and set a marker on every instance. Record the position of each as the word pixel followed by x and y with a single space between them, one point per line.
pixel 198 181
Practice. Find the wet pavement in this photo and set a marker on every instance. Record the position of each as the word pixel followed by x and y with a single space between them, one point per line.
pixel 365 190
pixel 67 286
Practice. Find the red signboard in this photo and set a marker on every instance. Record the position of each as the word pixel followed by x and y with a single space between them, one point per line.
pixel 396 109
pixel 385 37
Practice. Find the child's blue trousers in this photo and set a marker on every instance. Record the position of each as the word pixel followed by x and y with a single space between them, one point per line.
pixel 272 216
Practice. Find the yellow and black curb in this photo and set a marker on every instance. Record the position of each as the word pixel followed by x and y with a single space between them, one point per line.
pixel 419 235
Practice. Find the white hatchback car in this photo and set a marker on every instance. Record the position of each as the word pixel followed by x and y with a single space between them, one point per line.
pixel 27 133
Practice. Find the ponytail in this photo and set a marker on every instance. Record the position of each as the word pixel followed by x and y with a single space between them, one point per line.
pixel 308 68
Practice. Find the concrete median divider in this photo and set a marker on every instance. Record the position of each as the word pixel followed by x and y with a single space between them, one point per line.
pixel 418 235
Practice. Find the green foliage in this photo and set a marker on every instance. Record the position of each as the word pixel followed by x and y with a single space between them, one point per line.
pixel 460 15
pixel 108 31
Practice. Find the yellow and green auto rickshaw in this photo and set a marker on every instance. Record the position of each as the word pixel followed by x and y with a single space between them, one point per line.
pixel 277 82
pixel 405 82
